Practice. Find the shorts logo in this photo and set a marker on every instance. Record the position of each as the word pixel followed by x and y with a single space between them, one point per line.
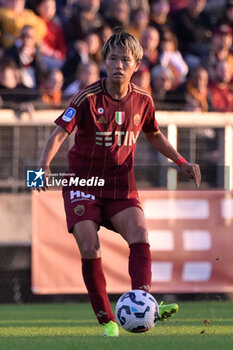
pixel 80 196
pixel 69 114
pixel 79 210
pixel 136 119
pixel 120 117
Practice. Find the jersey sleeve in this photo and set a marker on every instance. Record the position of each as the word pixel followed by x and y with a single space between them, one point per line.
pixel 150 123
pixel 70 118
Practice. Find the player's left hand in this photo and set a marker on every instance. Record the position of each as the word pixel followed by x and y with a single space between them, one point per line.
pixel 192 171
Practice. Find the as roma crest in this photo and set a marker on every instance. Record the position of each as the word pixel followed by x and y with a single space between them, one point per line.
pixel 120 117
pixel 79 209
pixel 136 119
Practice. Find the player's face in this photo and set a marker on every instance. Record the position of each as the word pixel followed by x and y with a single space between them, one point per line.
pixel 120 65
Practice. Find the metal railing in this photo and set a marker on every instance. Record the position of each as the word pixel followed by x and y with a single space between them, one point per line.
pixel 205 138
pixel 201 121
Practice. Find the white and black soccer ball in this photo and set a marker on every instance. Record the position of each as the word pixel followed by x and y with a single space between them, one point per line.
pixel 137 311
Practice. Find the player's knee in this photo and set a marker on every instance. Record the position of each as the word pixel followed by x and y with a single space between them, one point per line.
pixel 90 252
pixel 88 243
pixel 139 235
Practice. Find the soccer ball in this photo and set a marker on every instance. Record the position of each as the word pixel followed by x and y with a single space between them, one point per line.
pixel 137 311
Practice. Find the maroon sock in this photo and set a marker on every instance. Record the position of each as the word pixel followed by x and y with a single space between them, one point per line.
pixel 140 266
pixel 95 282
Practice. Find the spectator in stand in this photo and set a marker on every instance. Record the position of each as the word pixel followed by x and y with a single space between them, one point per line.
pixel 87 73
pixel 161 83
pixel 171 57
pixel 221 89
pixel 197 96
pixel 104 33
pixel 13 17
pixel 85 19
pixel 119 14
pixel 65 8
pixel 142 78
pixel 51 90
pixel 193 95
pixel 220 49
pixel 150 44
pixel 227 17
pixel 13 93
pixel 134 5
pixel 94 47
pixel 53 45
pixel 193 30
pixel 139 22
pixel 27 56
pixel 78 54
pixel 84 51
pixel 139 4
pixel 159 15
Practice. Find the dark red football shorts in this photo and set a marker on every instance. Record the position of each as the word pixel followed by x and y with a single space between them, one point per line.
pixel 80 206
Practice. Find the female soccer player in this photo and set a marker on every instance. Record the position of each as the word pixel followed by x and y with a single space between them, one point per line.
pixel 109 116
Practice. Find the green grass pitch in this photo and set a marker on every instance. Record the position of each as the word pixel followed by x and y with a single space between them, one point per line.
pixel 197 326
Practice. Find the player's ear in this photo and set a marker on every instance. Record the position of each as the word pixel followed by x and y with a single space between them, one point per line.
pixel 138 64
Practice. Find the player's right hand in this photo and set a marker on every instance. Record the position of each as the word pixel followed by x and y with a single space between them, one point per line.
pixel 47 174
pixel 192 171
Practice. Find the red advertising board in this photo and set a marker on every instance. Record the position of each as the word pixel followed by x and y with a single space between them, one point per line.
pixel 190 233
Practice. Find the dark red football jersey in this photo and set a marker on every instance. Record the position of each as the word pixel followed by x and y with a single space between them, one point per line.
pixel 105 140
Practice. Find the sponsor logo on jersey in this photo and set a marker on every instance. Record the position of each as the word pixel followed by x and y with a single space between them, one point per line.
pixel 120 117
pixel 69 114
pixel 124 138
pixel 136 119
pixel 79 209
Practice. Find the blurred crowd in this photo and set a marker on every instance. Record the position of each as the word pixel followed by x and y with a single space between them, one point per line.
pixel 49 50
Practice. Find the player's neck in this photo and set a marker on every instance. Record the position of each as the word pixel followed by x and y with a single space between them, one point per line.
pixel 116 91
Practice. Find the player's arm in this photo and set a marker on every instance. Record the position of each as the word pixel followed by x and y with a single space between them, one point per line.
pixel 161 143
pixel 52 145
pixel 51 148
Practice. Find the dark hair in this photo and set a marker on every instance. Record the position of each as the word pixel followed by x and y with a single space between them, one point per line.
pixel 7 62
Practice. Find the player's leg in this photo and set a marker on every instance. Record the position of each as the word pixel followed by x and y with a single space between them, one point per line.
pixel 130 223
pixel 85 233
pixel 83 212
